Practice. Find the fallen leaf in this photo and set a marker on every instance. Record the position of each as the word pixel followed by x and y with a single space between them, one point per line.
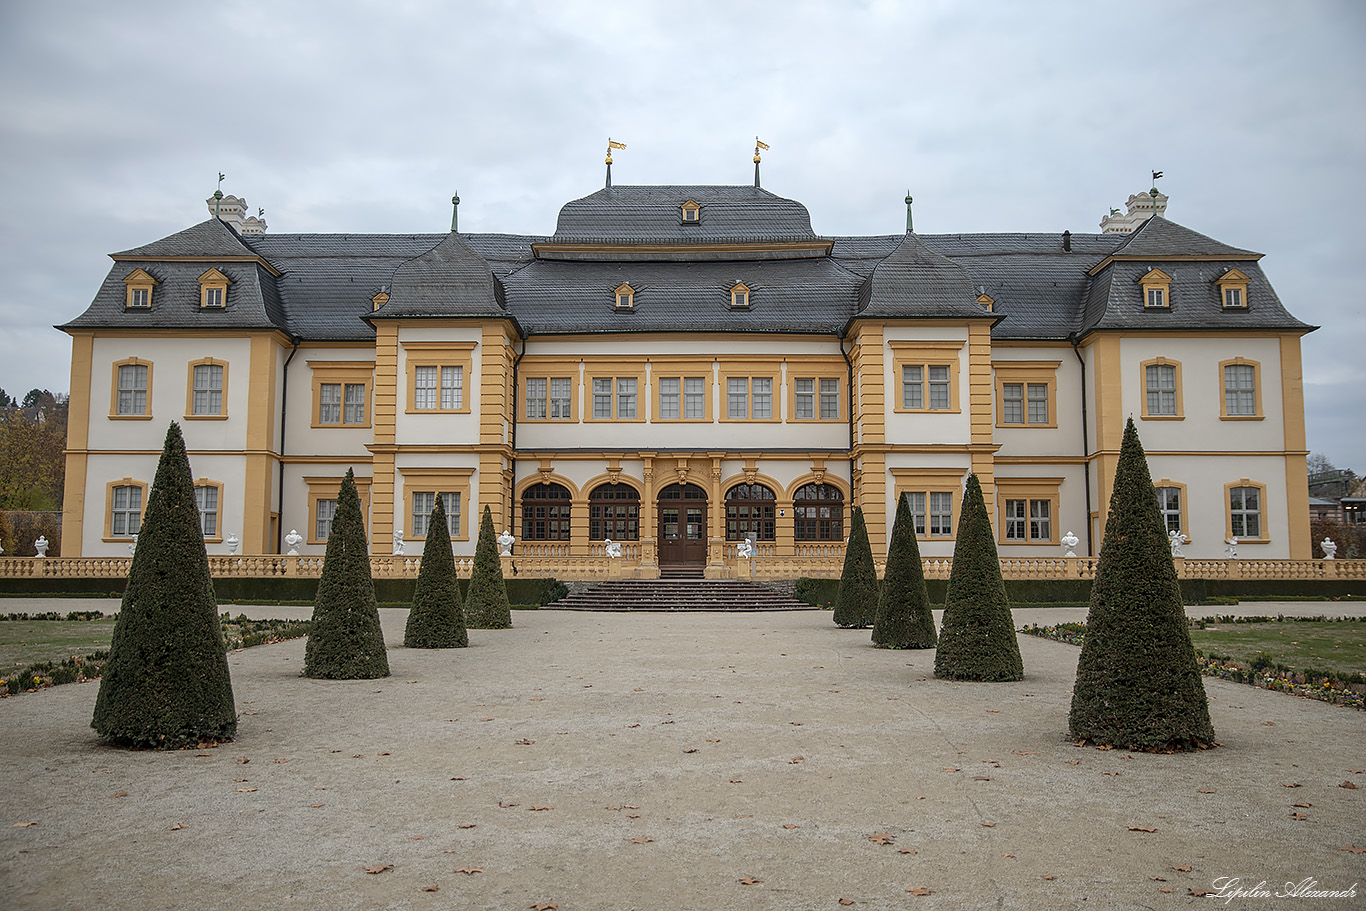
pixel 242 760
pixel 795 759
pixel 750 880
pixel 735 781
pixel 1168 891
pixel 1074 762
pixel 470 871
pixel 694 750
pixel 507 806
pixel 713 741
pixel 1268 724
pixel 430 888
pixel 542 807
pixel 316 805
pixel 485 719
pixel 881 838
pixel 989 825
pixel 1353 849
pixel 1158 879
pixel 629 806
pixel 951 769
pixel 919 891
pixel 178 826
pixel 415 837
pixel 796 724
pixel 632 815
pixel 1110 773
pixel 1293 784
pixel 120 794
pixel 1141 829
pixel 1349 785
pixel 240 780
pixel 1049 876
pixel 25 825
pixel 1182 868
pixel 1303 806
pixel 846 901
pixel 1204 790
pixel 524 742
pixel 980 778
pixel 466 825
pixel 283 761
pixel 545 906
pixel 909 851
pixel 633 725
pixel 1024 752
pixel 1199 892
pixel 1299 815
pixel 641 840
pixel 380 869
pixel 1003 855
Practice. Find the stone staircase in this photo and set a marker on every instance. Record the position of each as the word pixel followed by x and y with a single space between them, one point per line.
pixel 677 595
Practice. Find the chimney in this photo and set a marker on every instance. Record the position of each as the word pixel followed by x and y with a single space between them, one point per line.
pixel 230 210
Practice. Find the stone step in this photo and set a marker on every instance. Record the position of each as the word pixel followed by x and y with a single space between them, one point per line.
pixel 677 595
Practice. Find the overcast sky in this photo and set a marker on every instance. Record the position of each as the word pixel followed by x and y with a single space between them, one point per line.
pixel 350 116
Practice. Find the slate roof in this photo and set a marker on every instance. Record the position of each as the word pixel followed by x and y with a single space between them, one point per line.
pixel 641 215
pixel 326 281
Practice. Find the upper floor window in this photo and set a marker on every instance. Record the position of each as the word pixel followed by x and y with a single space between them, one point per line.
pixel 1233 290
pixel 1241 395
pixel 816 397
pixel 615 398
pixel 341 393
pixel 691 213
pixel 133 384
pixel 140 284
pixel 925 387
pixel 625 297
pixel 341 403
pixel 1156 286
pixel 749 398
pixel 740 296
pixel 549 398
pixel 438 388
pixel 213 289
pixel 928 372
pixel 682 398
pixel 206 389
pixel 1161 389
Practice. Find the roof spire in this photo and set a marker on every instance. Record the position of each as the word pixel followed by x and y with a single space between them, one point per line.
pixel 909 227
pixel 610 146
pixel 758 144
pixel 455 213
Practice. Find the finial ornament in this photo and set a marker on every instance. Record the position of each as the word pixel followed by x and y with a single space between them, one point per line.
pixel 1156 174
pixel 909 225
pixel 612 144
pixel 455 212
pixel 218 193
pixel 758 146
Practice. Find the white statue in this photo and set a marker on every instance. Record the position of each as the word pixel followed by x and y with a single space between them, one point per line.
pixel 1330 549
pixel 1177 540
pixel 2 549
pixel 41 545
pixel 293 539
pixel 745 549
pixel 232 542
pixel 1231 550
pixel 133 546
pixel 1070 541
pixel 505 542
pixel 612 548
pixel 398 542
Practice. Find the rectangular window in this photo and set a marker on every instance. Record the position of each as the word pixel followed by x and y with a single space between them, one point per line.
pixel 615 397
pixel 1240 389
pixel 913 388
pixel 425 388
pixel 913 392
pixel 423 504
pixel 830 399
pixel 1233 297
pixel 602 398
pixel 1040 520
pixel 1038 402
pixel 1161 388
pixel 126 513
pixel 1245 512
pixel 1017 524
pixel 762 390
pixel 916 501
pixel 1013 403
pixel 208 389
pixel 213 297
pixel 206 498
pixel 1169 504
pixel 937 522
pixel 452 388
pixel 737 397
pixel 560 405
pixel 669 397
pixel 805 396
pixel 694 398
pixel 329 403
pixel 939 388
pixel 354 410
pixel 1156 297
pixel 626 398
pixel 133 389
pixel 1029 520
pixel 327 509
pixel 140 297
pixel 535 398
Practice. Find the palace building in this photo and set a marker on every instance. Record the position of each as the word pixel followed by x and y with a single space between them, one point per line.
pixel 677 368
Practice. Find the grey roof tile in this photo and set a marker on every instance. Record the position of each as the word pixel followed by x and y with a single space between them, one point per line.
pixel 208 238
pixel 915 282
pixel 729 214
pixel 1159 237
pixel 449 280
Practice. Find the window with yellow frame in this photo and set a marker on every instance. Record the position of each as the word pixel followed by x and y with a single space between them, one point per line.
pixel 926 375
pixel 322 505
pixel 437 376
pixel 1026 393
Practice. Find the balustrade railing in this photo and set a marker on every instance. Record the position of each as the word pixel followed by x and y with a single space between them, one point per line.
pixel 547 559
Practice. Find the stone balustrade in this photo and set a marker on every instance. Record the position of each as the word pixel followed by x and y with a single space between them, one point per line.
pixel 553 559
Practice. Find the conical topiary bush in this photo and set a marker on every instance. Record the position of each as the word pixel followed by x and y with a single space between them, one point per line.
pixel 1138 683
pixel 977 636
pixel 345 641
pixel 486 600
pixel 856 600
pixel 166 683
pixel 437 618
pixel 904 619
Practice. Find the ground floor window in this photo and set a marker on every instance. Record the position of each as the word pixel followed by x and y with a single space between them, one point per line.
pixel 424 501
pixel 545 513
pixel 1169 504
pixel 818 510
pixel 1029 520
pixel 206 498
pixel 1245 512
pixel 932 512
pixel 614 512
pixel 126 518
pixel 750 513
pixel 324 513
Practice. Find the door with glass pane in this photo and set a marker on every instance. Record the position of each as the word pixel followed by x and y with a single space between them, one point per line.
pixel 682 526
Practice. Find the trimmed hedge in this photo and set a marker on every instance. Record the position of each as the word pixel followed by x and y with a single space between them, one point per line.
pixel 345 641
pixel 903 611
pixel 166 683
pixel 486 598
pixel 977 637
pixel 856 600
pixel 1138 683
pixel 437 617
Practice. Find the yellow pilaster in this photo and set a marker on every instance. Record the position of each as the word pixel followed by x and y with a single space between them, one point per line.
pixel 870 377
pixel 261 458
pixel 1109 400
pixel 872 496
pixel 77 442
pixel 1296 469
pixel 982 412
pixel 384 420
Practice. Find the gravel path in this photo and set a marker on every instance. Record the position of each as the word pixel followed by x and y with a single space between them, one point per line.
pixel 658 761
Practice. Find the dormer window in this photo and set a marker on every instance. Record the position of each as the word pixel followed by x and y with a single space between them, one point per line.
pixel 213 289
pixel 379 300
pixel 625 297
pixel 1233 290
pixel 1156 290
pixel 987 302
pixel 739 296
pixel 140 285
pixel 692 213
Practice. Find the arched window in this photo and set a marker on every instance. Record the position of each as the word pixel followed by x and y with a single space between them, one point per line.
pixel 545 513
pixel 614 512
pixel 749 512
pixel 819 511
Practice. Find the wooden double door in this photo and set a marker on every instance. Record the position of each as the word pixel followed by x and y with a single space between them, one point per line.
pixel 682 527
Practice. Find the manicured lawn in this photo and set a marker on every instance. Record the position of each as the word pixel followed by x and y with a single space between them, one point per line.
pixel 1337 646
pixel 24 642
